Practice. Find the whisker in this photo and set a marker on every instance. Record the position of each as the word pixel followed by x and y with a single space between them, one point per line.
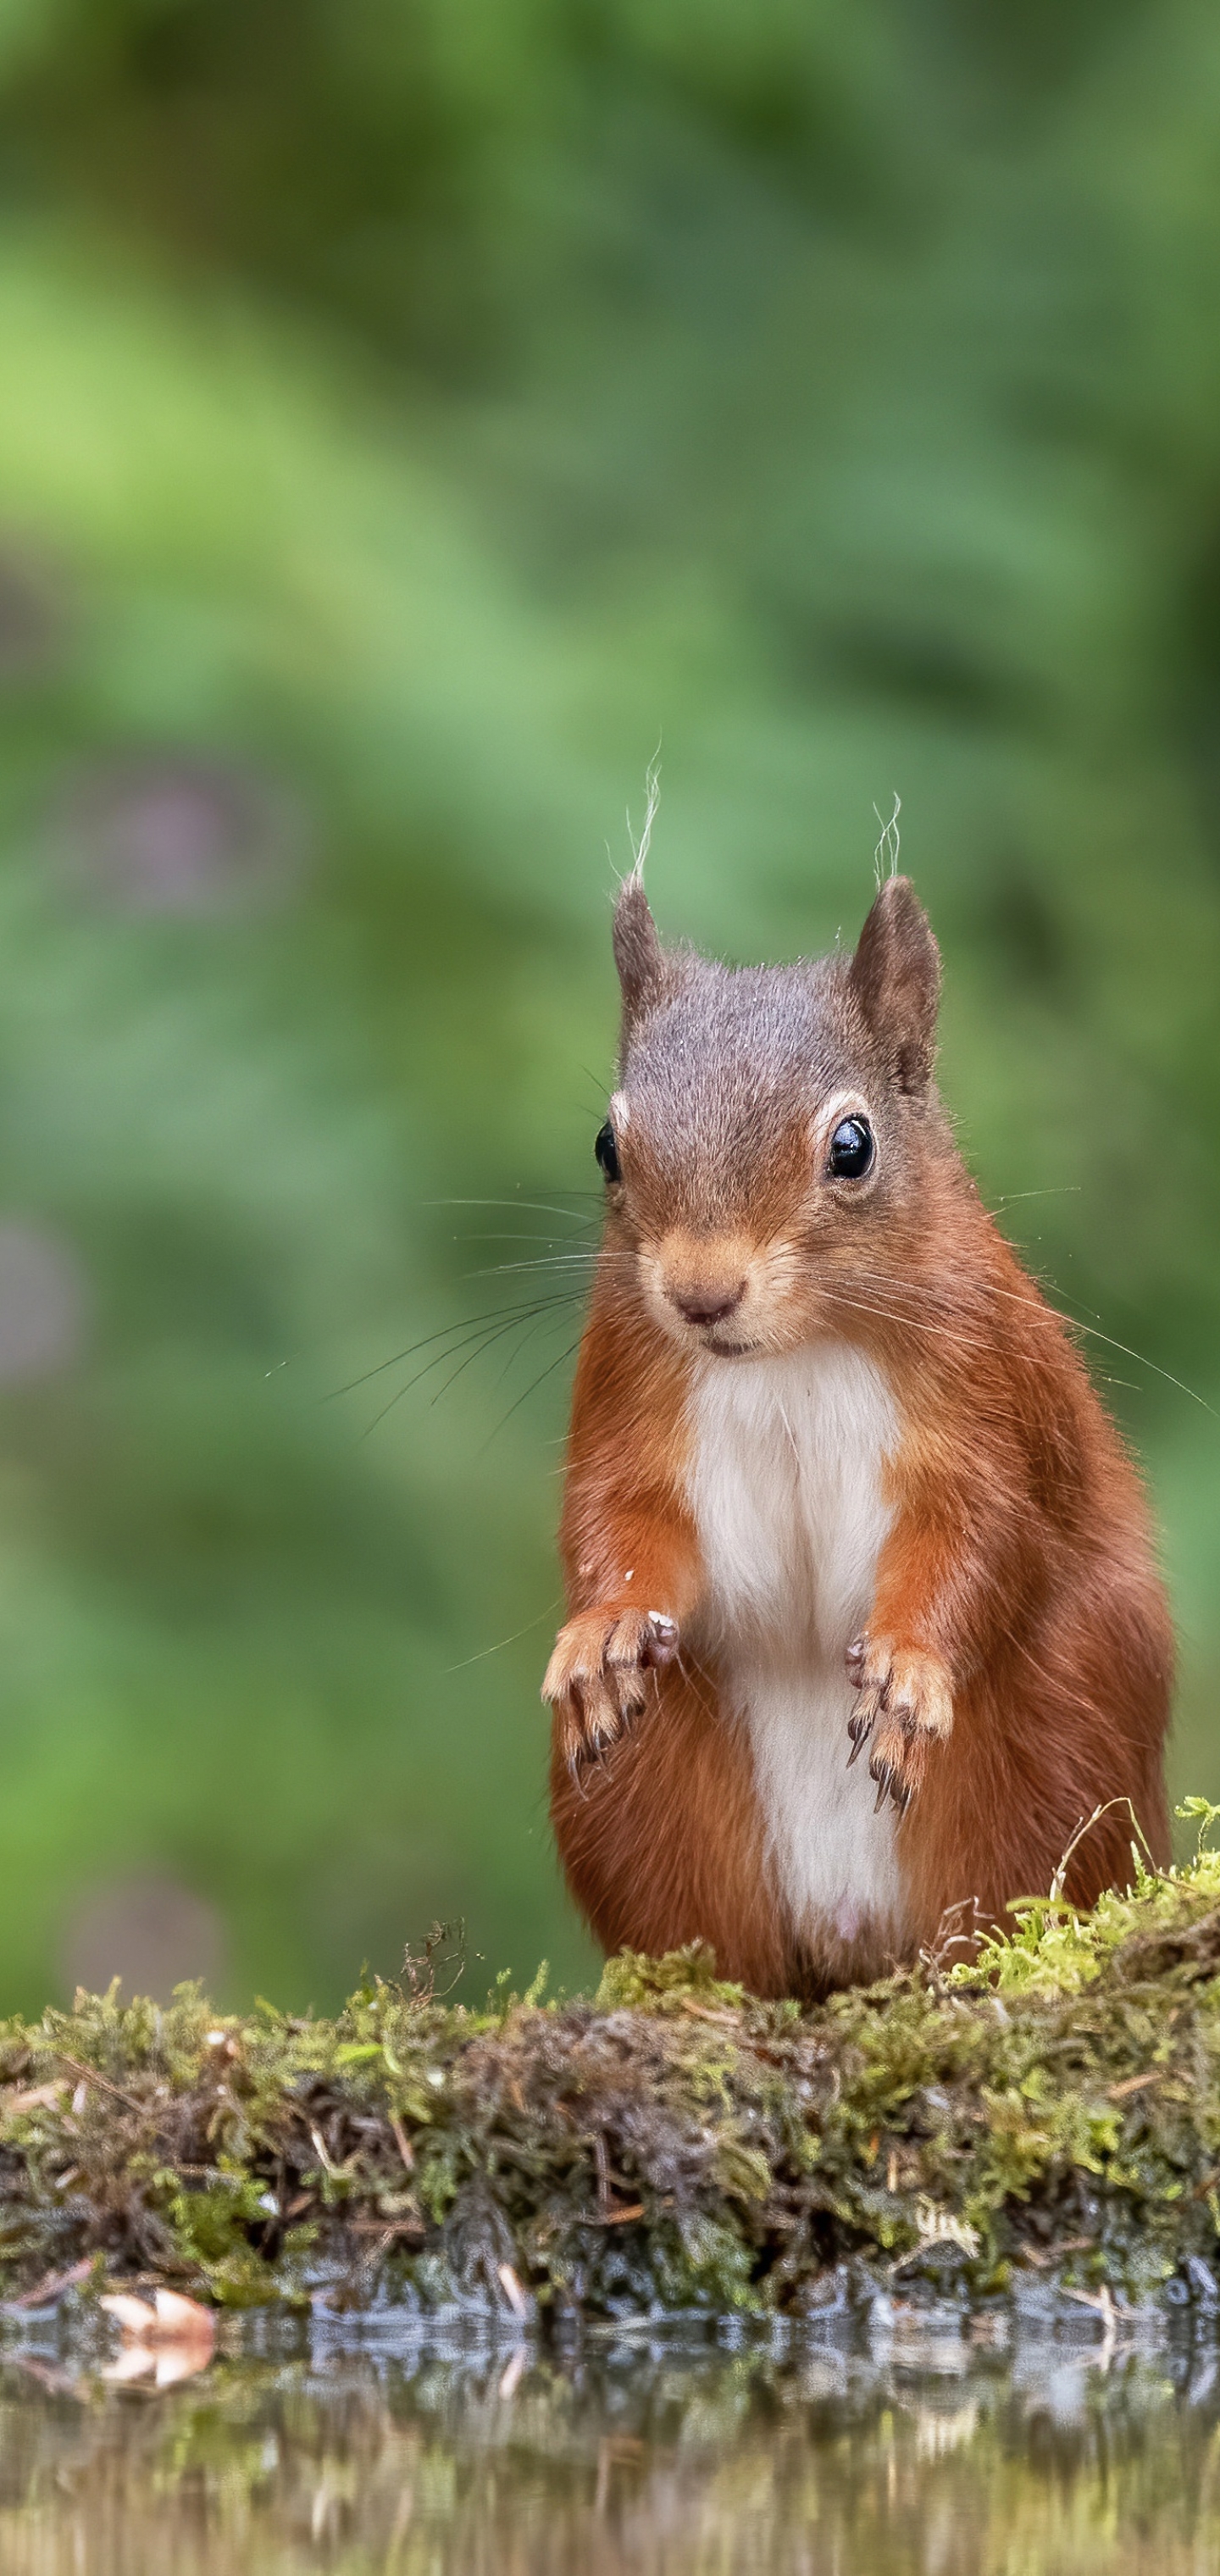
pixel 540 1316
pixel 512 1238
pixel 528 1207
pixel 1055 1190
pixel 586 1254
pixel 1052 1289
pixel 515 1355
pixel 1074 1324
pixel 492 1315
pixel 480 1341
pixel 502 1642
pixel 532 1389
pixel 556 1261
pixel 886 1315
pixel 480 1335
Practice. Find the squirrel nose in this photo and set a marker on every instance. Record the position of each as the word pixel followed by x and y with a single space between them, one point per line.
pixel 706 1305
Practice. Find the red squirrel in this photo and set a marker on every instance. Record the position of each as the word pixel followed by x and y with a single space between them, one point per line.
pixel 864 1615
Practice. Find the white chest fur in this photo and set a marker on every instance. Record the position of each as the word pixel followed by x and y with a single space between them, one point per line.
pixel 786 1492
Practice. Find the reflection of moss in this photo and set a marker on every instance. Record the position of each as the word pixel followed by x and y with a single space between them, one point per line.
pixel 1053 2108
pixel 645 2452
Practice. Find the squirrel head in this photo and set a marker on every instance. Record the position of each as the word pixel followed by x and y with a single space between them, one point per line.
pixel 765 1147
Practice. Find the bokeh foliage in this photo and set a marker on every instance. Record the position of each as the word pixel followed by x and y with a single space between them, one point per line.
pixel 410 410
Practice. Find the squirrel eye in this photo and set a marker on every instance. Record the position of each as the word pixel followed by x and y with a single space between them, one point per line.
pixel 851 1150
pixel 607 1152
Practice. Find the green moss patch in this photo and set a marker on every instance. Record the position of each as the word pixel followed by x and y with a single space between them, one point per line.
pixel 1050 2112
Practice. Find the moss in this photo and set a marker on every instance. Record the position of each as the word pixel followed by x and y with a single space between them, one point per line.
pixel 673 1983
pixel 1050 2111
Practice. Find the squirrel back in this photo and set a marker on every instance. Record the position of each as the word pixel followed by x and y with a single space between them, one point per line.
pixel 864 1619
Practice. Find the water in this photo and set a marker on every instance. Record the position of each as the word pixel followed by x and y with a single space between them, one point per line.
pixel 922 2455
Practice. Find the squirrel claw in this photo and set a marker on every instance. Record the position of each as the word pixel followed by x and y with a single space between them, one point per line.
pixel 597 1678
pixel 891 1783
pixel 908 1689
pixel 884 1777
pixel 860 1726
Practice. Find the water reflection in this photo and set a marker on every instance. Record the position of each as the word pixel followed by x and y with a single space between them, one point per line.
pixel 660 2457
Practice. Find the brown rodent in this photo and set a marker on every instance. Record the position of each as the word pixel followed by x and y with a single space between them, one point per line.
pixel 864 1619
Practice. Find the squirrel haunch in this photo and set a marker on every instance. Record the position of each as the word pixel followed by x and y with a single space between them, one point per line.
pixel 864 1617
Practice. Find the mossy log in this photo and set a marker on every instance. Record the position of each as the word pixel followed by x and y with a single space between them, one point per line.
pixel 1049 2113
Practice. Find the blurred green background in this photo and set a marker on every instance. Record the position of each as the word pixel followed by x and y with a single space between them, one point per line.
pixel 410 412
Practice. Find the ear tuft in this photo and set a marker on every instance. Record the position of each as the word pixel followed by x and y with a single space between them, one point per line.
pixel 638 954
pixel 895 975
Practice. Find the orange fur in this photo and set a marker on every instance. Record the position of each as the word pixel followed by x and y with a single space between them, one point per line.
pixel 1015 1670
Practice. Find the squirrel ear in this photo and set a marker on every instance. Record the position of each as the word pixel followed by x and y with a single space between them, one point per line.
pixel 895 975
pixel 638 954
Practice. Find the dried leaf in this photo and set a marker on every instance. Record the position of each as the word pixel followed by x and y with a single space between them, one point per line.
pixel 169 2340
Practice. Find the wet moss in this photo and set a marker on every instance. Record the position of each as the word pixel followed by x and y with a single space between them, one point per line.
pixel 1049 2113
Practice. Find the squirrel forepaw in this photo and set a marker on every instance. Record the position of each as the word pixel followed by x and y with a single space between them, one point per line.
pixel 596 1679
pixel 905 1705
